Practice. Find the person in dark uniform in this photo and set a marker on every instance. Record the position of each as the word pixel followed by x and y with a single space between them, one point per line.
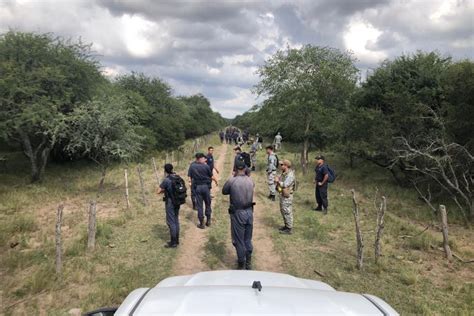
pixel 239 157
pixel 321 182
pixel 200 178
pixel 172 211
pixel 210 159
pixel 241 188
pixel 222 136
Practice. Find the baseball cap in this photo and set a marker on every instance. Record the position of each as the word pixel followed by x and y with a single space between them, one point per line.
pixel 319 157
pixel 240 164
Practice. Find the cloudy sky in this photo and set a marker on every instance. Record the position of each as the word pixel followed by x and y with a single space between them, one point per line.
pixel 214 47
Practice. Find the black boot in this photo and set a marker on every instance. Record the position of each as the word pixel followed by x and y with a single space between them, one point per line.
pixel 177 240
pixel 248 262
pixel 201 225
pixel 272 198
pixel 286 231
pixel 240 265
pixel 208 221
pixel 171 244
pixel 282 228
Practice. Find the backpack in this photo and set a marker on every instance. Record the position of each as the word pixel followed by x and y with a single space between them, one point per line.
pixel 277 161
pixel 331 175
pixel 246 158
pixel 178 187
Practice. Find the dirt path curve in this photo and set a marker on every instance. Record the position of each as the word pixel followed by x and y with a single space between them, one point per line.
pixel 266 257
pixel 190 255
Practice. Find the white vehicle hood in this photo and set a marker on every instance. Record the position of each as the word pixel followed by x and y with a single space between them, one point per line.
pixel 231 293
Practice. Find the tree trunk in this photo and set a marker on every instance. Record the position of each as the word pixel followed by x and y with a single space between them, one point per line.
pixel 102 180
pixel 38 156
pixel 304 156
pixel 380 227
pixel 360 242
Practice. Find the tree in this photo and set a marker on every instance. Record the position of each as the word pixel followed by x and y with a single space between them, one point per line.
pixel 305 88
pixel 103 130
pixel 42 79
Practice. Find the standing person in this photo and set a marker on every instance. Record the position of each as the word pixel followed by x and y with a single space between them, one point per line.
pixel 277 141
pixel 200 178
pixel 222 136
pixel 253 154
pixel 259 140
pixel 321 181
pixel 174 188
pixel 272 165
pixel 241 156
pixel 240 188
pixel 210 159
pixel 286 186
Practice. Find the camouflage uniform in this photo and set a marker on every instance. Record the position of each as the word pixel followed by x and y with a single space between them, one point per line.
pixel 286 204
pixel 271 172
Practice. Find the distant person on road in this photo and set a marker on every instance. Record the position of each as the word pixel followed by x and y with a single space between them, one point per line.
pixel 272 165
pixel 321 181
pixel 241 156
pixel 240 188
pixel 277 141
pixel 200 178
pixel 174 188
pixel 259 140
pixel 253 154
pixel 286 185
pixel 210 159
pixel 222 136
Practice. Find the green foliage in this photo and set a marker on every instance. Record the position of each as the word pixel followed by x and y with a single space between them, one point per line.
pixel 42 79
pixel 103 131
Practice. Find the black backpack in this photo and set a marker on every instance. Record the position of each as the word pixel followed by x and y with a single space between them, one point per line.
pixel 277 161
pixel 246 158
pixel 331 175
pixel 178 188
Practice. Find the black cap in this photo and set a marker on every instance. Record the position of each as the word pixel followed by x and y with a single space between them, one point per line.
pixel 168 168
pixel 237 148
pixel 240 164
pixel 200 155
pixel 320 157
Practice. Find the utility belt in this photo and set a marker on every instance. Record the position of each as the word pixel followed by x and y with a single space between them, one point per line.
pixel 204 182
pixel 233 210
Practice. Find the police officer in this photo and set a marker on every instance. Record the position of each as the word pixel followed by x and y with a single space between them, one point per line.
pixel 271 172
pixel 222 136
pixel 286 186
pixel 240 188
pixel 200 178
pixel 172 210
pixel 210 159
pixel 239 157
pixel 321 182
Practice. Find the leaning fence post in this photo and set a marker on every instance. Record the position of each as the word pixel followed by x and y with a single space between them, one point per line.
pixel 127 198
pixel 444 223
pixel 155 170
pixel 59 245
pixel 380 227
pixel 142 185
pixel 360 243
pixel 91 227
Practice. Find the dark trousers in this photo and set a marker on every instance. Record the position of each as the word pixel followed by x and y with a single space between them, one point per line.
pixel 172 220
pixel 322 196
pixel 241 226
pixel 203 195
pixel 193 196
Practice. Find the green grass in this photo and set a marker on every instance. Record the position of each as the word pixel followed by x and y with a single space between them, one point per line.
pixel 412 275
pixel 129 243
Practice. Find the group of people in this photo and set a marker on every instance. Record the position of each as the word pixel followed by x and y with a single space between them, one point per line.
pixel 240 188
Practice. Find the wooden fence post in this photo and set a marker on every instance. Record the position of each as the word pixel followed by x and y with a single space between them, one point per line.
pixel 127 198
pixel 59 245
pixel 360 242
pixel 380 227
pixel 91 228
pixel 155 170
pixel 444 223
pixel 142 185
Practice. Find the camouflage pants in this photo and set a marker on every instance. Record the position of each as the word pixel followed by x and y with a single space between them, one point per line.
pixel 277 146
pixel 286 209
pixel 271 182
pixel 253 158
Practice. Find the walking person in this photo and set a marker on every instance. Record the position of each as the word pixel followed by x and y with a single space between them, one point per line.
pixel 272 165
pixel 222 136
pixel 286 186
pixel 277 141
pixel 241 156
pixel 241 188
pixel 174 188
pixel 200 178
pixel 259 140
pixel 253 154
pixel 210 159
pixel 321 181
